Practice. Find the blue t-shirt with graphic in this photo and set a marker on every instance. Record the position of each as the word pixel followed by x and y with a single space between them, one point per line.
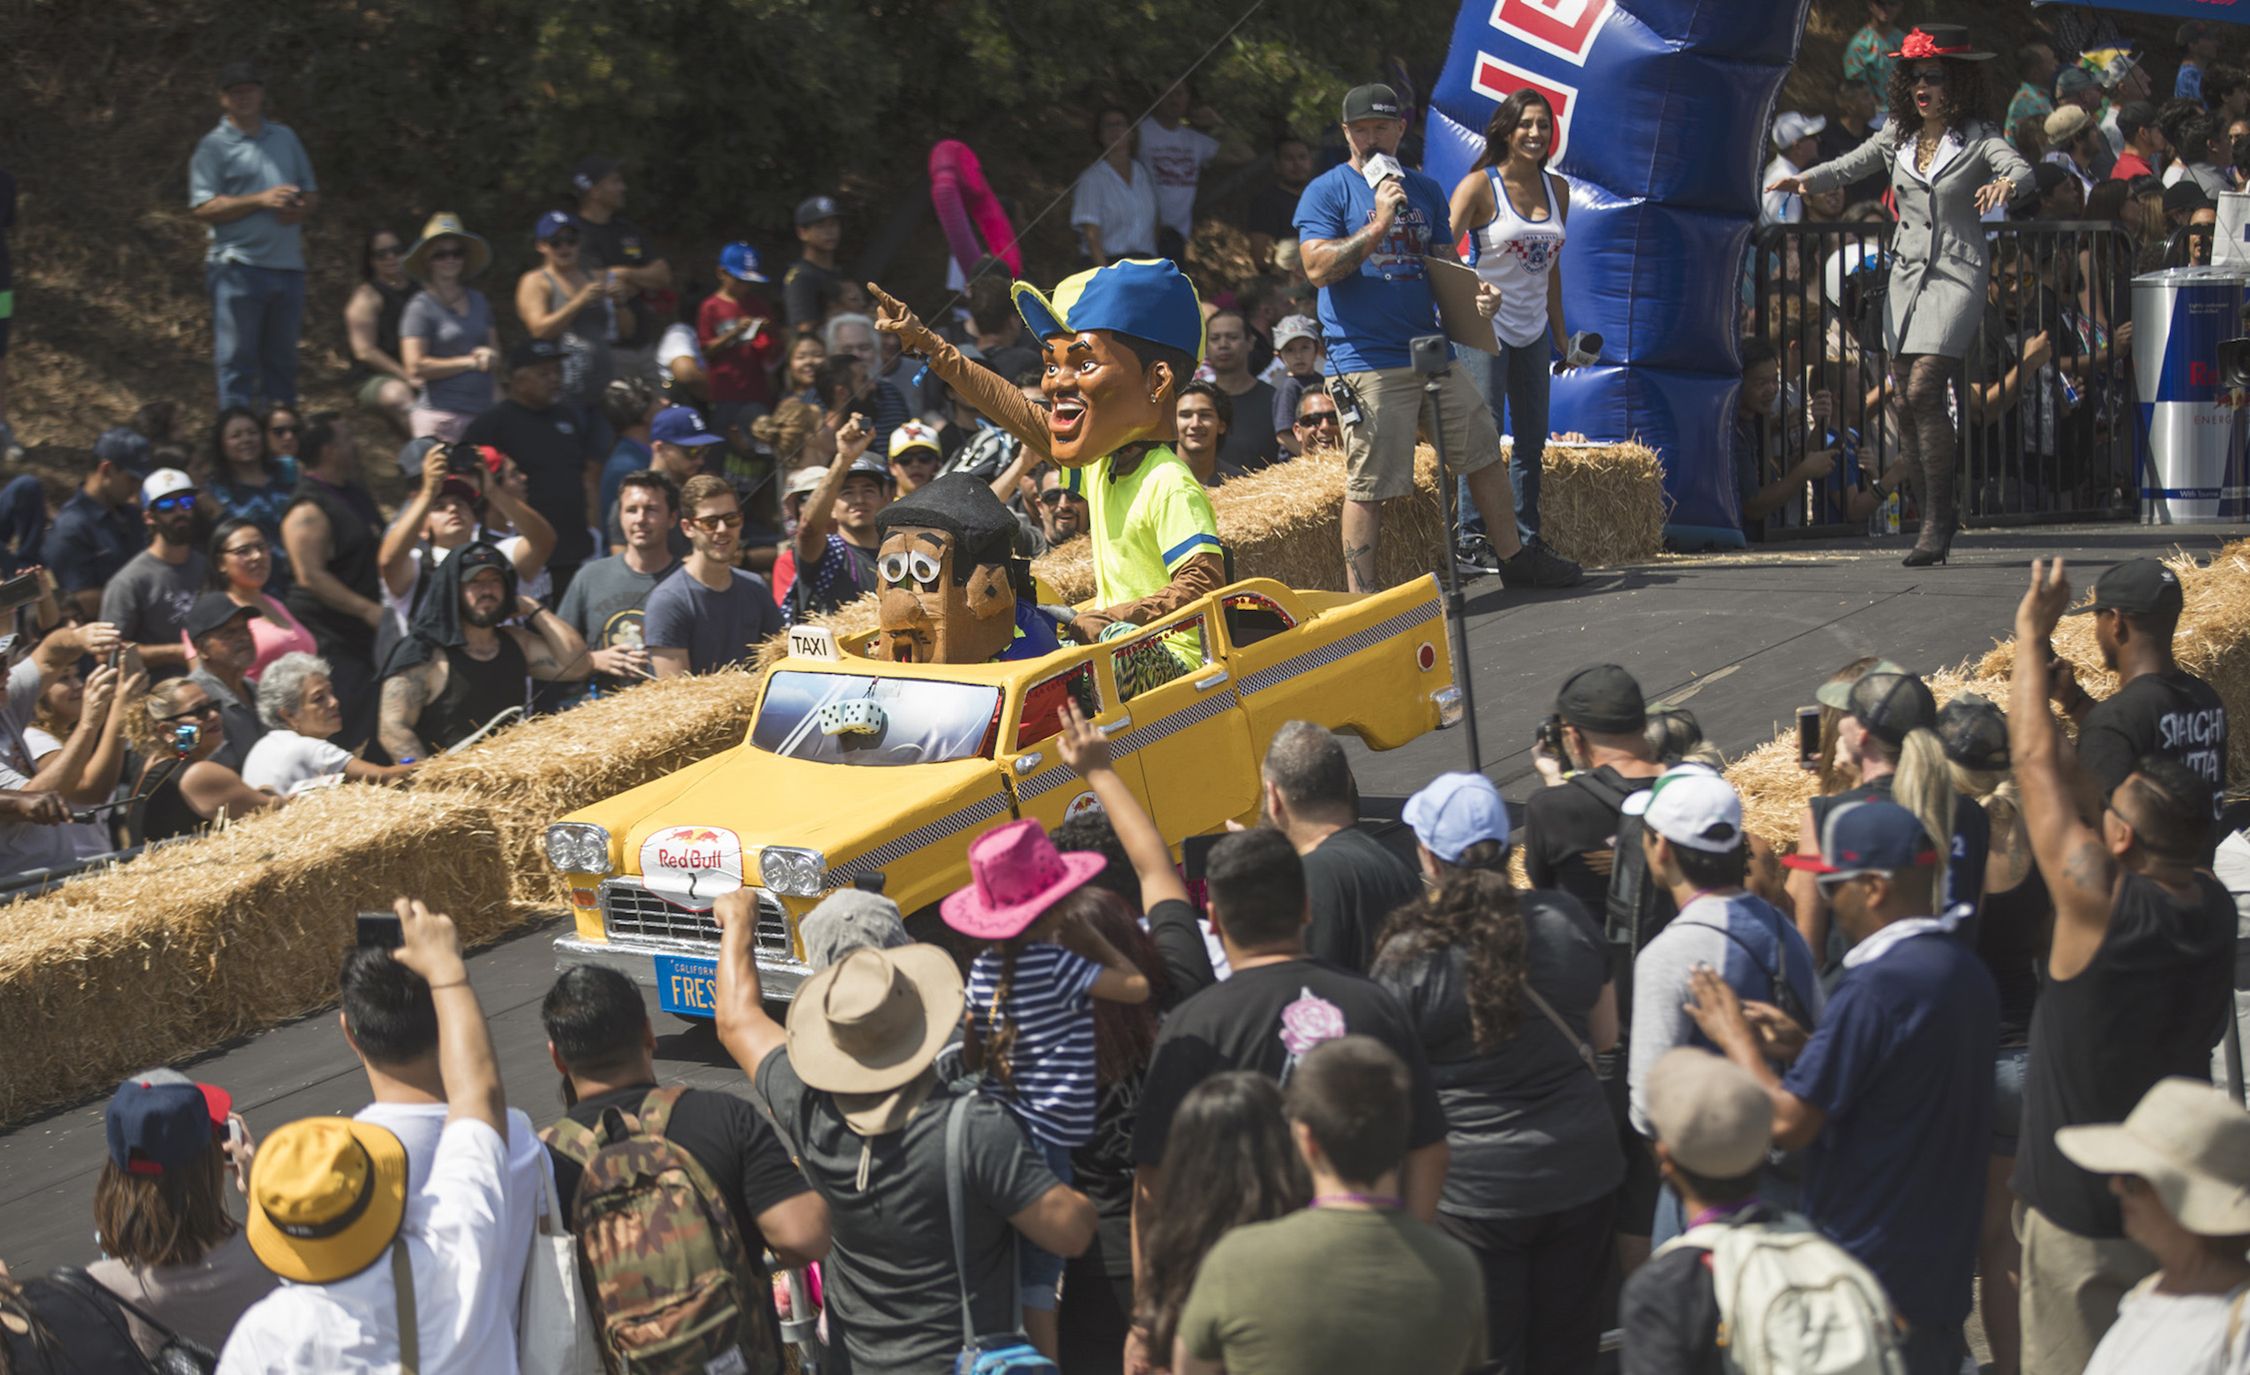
pixel 1369 319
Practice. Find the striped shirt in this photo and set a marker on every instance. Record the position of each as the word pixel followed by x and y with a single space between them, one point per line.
pixel 1052 1063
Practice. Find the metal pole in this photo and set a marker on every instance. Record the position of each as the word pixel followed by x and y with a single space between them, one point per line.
pixel 1456 605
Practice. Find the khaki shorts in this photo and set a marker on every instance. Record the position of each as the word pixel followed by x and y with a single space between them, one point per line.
pixel 1379 451
pixel 2071 1288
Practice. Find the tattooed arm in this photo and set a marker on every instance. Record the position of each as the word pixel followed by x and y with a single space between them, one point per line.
pixel 404 696
pixel 2079 869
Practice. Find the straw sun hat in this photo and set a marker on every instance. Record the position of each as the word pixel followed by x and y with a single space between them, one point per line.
pixel 446 225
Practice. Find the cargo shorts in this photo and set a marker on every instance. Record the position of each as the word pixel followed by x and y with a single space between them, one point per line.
pixel 1379 450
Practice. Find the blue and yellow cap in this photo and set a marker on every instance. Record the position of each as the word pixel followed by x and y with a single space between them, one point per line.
pixel 1147 298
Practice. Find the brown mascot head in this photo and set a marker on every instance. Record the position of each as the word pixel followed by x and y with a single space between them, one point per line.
pixel 946 574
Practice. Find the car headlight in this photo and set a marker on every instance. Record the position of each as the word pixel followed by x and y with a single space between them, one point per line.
pixel 577 848
pixel 792 872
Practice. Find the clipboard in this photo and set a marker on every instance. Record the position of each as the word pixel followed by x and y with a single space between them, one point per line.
pixel 1455 287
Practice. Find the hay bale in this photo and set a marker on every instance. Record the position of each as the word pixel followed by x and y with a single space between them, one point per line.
pixel 1602 504
pixel 154 960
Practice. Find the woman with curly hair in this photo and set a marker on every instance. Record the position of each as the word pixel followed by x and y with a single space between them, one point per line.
pixel 1228 1162
pixel 1949 167
pixel 1510 993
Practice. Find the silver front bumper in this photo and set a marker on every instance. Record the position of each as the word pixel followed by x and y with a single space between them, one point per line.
pixel 778 977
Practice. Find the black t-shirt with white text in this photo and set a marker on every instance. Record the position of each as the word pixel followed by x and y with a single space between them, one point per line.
pixel 1262 1019
pixel 2174 713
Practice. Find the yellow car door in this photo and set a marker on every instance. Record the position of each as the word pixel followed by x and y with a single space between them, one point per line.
pixel 1046 789
pixel 1186 729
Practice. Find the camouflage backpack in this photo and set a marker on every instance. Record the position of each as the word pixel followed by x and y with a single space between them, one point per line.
pixel 675 1290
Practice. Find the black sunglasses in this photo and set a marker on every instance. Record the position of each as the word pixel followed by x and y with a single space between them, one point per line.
pixel 1053 496
pixel 207 710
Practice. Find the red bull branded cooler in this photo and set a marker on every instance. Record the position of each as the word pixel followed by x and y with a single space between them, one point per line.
pixel 2193 427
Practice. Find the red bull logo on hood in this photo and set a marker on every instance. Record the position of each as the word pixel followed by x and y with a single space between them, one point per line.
pixel 692 865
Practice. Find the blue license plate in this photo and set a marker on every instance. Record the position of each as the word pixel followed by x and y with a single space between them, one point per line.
pixel 687 986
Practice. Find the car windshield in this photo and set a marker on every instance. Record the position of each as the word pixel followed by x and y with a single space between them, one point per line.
pixel 843 718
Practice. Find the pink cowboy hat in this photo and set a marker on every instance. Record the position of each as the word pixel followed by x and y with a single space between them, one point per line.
pixel 1018 875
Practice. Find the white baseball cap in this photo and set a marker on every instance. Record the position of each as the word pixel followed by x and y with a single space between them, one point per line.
pixel 1789 126
pixel 1296 327
pixel 1692 806
pixel 163 483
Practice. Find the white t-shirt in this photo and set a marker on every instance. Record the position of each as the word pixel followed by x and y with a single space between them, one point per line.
pixel 463 1301
pixel 679 341
pixel 283 761
pixel 2179 1334
pixel 1125 214
pixel 1178 157
pixel 1779 207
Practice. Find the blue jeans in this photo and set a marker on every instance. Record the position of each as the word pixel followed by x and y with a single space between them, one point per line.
pixel 1513 383
pixel 1039 1272
pixel 256 313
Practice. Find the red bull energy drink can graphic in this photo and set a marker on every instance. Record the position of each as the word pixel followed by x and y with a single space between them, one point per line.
pixel 2192 425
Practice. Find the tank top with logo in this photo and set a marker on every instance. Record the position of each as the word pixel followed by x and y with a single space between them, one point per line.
pixel 1518 255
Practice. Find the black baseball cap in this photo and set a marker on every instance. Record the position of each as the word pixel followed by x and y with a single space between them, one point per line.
pixel 212 610
pixel 2134 116
pixel 240 73
pixel 589 173
pixel 2137 587
pixel 813 209
pixel 2182 197
pixel 125 447
pixel 1975 732
pixel 1604 698
pixel 1888 705
pixel 532 351
pixel 1374 101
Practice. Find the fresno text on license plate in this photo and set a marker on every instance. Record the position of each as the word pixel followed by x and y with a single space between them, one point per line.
pixel 686 985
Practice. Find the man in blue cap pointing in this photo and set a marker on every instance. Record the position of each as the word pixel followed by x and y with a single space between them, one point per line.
pixel 1120 342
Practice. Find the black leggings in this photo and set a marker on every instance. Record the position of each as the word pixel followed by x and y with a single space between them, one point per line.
pixel 1926 439
pixel 1543 1285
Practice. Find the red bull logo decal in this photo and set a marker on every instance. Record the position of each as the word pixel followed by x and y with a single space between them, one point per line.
pixel 692 865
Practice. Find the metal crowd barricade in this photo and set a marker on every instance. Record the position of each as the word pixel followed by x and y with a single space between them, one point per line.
pixel 2043 414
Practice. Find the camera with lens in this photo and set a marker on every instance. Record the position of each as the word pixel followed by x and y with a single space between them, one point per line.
pixel 1549 737
pixel 462 460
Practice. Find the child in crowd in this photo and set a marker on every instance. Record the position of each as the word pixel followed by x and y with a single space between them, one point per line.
pixel 1031 1015
pixel 1299 359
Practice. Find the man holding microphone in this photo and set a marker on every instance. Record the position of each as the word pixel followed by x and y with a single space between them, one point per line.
pixel 1363 229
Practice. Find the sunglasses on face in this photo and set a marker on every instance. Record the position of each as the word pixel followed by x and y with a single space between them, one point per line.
pixel 1318 419
pixel 716 523
pixel 441 254
pixel 184 501
pixel 1831 884
pixel 205 712
pixel 1053 496
pixel 919 459
pixel 1930 76
pixel 281 429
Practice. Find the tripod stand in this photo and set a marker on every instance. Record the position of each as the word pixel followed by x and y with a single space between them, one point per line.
pixel 1430 360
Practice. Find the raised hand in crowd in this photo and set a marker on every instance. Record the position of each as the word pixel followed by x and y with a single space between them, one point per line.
pixel 430 945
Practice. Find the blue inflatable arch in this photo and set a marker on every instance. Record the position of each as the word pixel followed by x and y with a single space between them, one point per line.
pixel 1663 107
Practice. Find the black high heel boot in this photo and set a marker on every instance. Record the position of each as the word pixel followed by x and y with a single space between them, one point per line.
pixel 1941 519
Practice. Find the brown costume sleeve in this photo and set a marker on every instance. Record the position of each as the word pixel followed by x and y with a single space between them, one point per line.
pixel 995 396
pixel 1199 576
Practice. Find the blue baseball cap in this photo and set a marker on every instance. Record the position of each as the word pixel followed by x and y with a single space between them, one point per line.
pixel 1456 811
pixel 681 425
pixel 740 261
pixel 552 223
pixel 161 1120
pixel 1868 838
pixel 125 447
pixel 1146 298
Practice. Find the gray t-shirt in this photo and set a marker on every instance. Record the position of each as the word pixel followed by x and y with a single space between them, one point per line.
pixel 447 335
pixel 200 1301
pixel 24 846
pixel 715 628
pixel 149 600
pixel 1527 1122
pixel 607 604
pixel 892 1267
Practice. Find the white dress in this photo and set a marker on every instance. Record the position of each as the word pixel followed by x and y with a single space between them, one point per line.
pixel 2178 1334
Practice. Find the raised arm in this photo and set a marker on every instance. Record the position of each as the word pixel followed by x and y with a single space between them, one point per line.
pixel 1329 261
pixel 2081 873
pixel 745 1028
pixel 994 396
pixel 553 650
pixel 1860 163
pixel 432 948
pixel 538 534
pixel 65 770
pixel 545 323
pixel 817 517
pixel 394 558
pixel 1178 938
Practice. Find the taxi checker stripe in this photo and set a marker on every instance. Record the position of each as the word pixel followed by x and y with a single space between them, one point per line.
pixel 1140 737
pixel 1311 659
pixel 899 847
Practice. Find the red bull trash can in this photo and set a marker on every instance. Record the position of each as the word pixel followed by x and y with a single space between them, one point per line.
pixel 2193 426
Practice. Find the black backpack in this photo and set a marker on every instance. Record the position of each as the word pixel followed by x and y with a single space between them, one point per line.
pixel 1637 906
pixel 71 1325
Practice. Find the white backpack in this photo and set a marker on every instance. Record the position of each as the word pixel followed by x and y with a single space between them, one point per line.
pixel 1792 1302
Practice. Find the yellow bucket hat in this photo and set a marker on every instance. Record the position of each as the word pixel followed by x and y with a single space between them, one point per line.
pixel 326 1198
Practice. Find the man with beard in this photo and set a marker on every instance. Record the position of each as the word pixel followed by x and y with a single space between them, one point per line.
pixel 149 599
pixel 710 614
pixel 460 668
pixel 1062 512
pixel 1121 342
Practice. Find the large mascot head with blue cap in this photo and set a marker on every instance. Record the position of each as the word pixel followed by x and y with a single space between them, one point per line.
pixel 1120 341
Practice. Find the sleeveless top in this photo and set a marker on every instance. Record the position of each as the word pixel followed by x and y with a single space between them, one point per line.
pixel 2012 941
pixel 1518 255
pixel 476 690
pixel 2152 1003
pixel 587 366
pixel 165 813
pixel 352 550
pixel 386 323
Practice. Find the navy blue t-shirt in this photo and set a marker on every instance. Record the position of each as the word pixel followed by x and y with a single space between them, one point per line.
pixel 1369 319
pixel 1901 1063
pixel 89 542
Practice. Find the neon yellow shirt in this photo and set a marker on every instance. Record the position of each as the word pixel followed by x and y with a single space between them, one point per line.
pixel 1144 524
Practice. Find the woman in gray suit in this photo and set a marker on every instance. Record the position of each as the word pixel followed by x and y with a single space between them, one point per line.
pixel 1949 166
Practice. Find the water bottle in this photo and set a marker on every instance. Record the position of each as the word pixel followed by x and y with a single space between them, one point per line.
pixel 1891 513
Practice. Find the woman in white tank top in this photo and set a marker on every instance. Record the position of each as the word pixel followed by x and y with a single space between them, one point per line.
pixel 1513 210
